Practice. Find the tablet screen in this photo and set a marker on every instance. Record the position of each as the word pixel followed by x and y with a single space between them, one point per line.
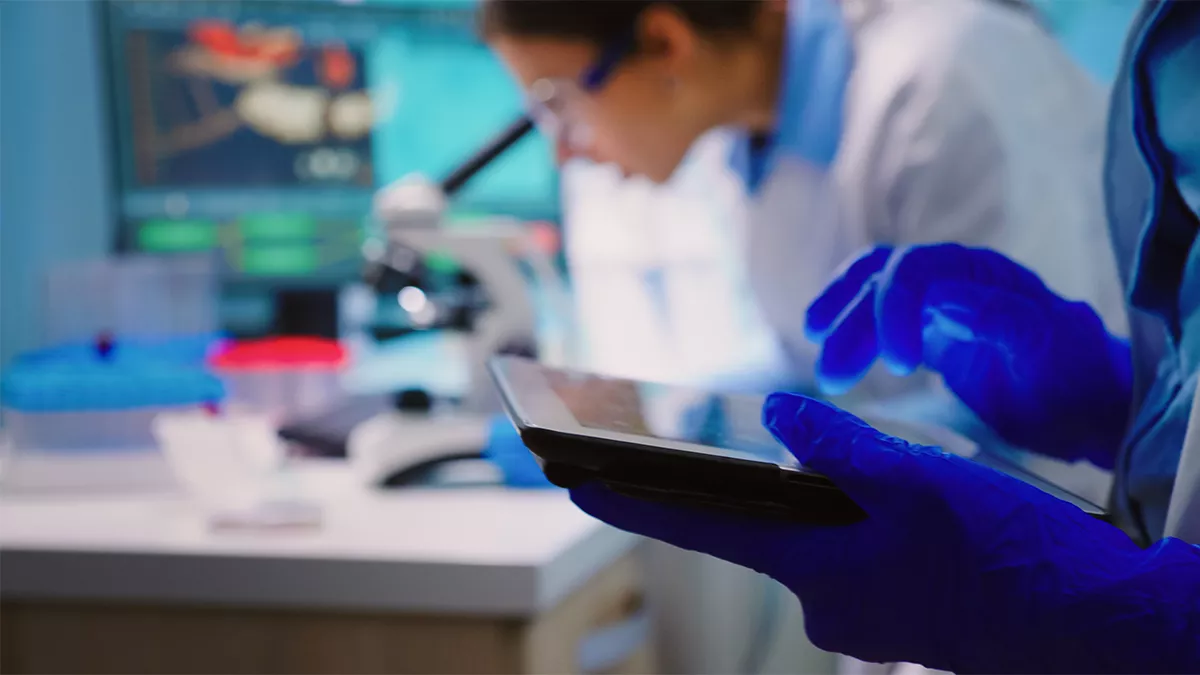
pixel 724 425
pixel 715 424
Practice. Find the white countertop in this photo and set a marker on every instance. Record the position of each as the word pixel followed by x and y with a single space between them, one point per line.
pixel 483 550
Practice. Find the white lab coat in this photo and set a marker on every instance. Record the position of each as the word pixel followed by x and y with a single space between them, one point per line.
pixel 964 121
pixel 1183 515
pixel 658 282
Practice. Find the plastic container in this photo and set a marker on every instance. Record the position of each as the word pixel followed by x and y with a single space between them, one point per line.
pixel 282 377
pixel 77 422
pixel 84 431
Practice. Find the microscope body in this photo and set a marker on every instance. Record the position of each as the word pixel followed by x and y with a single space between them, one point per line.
pixel 412 213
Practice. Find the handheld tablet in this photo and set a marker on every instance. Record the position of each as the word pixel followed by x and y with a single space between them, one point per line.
pixel 678 444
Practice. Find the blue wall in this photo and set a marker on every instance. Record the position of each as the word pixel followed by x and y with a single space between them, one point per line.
pixel 1092 30
pixel 54 199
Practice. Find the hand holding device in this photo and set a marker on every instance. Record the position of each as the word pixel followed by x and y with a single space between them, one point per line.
pixel 957 566
pixel 1041 371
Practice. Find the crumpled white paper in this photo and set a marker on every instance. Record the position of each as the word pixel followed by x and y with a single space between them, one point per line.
pixel 231 464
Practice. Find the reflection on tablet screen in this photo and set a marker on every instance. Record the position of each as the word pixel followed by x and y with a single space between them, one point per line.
pixel 725 425
pixel 730 425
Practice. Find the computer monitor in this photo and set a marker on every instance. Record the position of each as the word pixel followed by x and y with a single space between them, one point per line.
pixel 260 129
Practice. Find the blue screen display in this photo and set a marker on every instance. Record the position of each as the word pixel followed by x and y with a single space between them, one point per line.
pixel 222 105
pixel 261 129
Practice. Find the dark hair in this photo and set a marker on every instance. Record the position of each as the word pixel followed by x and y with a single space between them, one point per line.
pixel 603 21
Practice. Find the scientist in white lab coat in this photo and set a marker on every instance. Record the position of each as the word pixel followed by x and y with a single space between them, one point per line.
pixel 856 123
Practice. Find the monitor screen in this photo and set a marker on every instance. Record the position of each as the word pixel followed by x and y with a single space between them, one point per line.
pixel 259 130
pixel 218 105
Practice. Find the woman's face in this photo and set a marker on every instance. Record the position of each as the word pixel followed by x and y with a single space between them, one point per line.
pixel 639 118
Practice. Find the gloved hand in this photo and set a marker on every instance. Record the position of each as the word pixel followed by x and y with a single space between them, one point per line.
pixel 957 566
pixel 1040 370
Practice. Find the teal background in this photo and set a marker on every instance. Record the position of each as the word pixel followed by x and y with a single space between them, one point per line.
pixel 55 161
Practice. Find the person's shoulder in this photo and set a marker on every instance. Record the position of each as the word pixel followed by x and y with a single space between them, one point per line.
pixel 911 47
pixel 908 54
pixel 909 62
pixel 904 35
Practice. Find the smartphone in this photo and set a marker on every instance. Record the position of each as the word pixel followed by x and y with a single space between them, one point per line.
pixel 689 446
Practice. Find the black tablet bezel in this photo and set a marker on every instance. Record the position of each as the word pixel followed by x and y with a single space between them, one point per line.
pixel 537 409
pixel 570 452
pixel 667 470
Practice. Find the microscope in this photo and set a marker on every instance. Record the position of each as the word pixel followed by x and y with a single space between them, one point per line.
pixel 495 307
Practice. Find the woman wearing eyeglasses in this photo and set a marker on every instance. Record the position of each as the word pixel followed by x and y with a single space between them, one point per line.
pixel 855 123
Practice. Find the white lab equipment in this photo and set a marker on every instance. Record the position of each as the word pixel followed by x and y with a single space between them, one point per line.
pixel 412 212
pixel 392 447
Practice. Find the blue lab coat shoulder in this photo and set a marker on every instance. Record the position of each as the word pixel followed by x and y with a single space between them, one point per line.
pixel 1152 230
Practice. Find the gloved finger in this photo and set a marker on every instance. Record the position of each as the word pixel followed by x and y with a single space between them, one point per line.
pixel 900 300
pixel 851 345
pixel 860 460
pixel 959 314
pixel 906 279
pixel 741 540
pixel 842 291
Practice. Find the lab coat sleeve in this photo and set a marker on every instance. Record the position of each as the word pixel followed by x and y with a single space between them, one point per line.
pixel 938 171
pixel 1183 514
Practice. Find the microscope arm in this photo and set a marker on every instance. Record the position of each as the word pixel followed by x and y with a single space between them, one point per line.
pixel 491 253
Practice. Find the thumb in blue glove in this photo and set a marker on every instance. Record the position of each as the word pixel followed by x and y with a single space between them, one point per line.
pixel 1041 371
pixel 957 566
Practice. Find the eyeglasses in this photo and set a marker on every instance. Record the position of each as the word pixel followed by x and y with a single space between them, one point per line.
pixel 556 102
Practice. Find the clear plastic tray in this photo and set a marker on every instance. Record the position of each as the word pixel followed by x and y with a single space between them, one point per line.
pixel 87 431
pixel 83 451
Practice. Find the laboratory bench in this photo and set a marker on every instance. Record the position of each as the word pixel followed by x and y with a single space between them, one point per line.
pixel 467 580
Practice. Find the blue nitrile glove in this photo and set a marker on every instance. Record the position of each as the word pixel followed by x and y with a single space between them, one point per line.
pixel 1041 371
pixel 956 567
